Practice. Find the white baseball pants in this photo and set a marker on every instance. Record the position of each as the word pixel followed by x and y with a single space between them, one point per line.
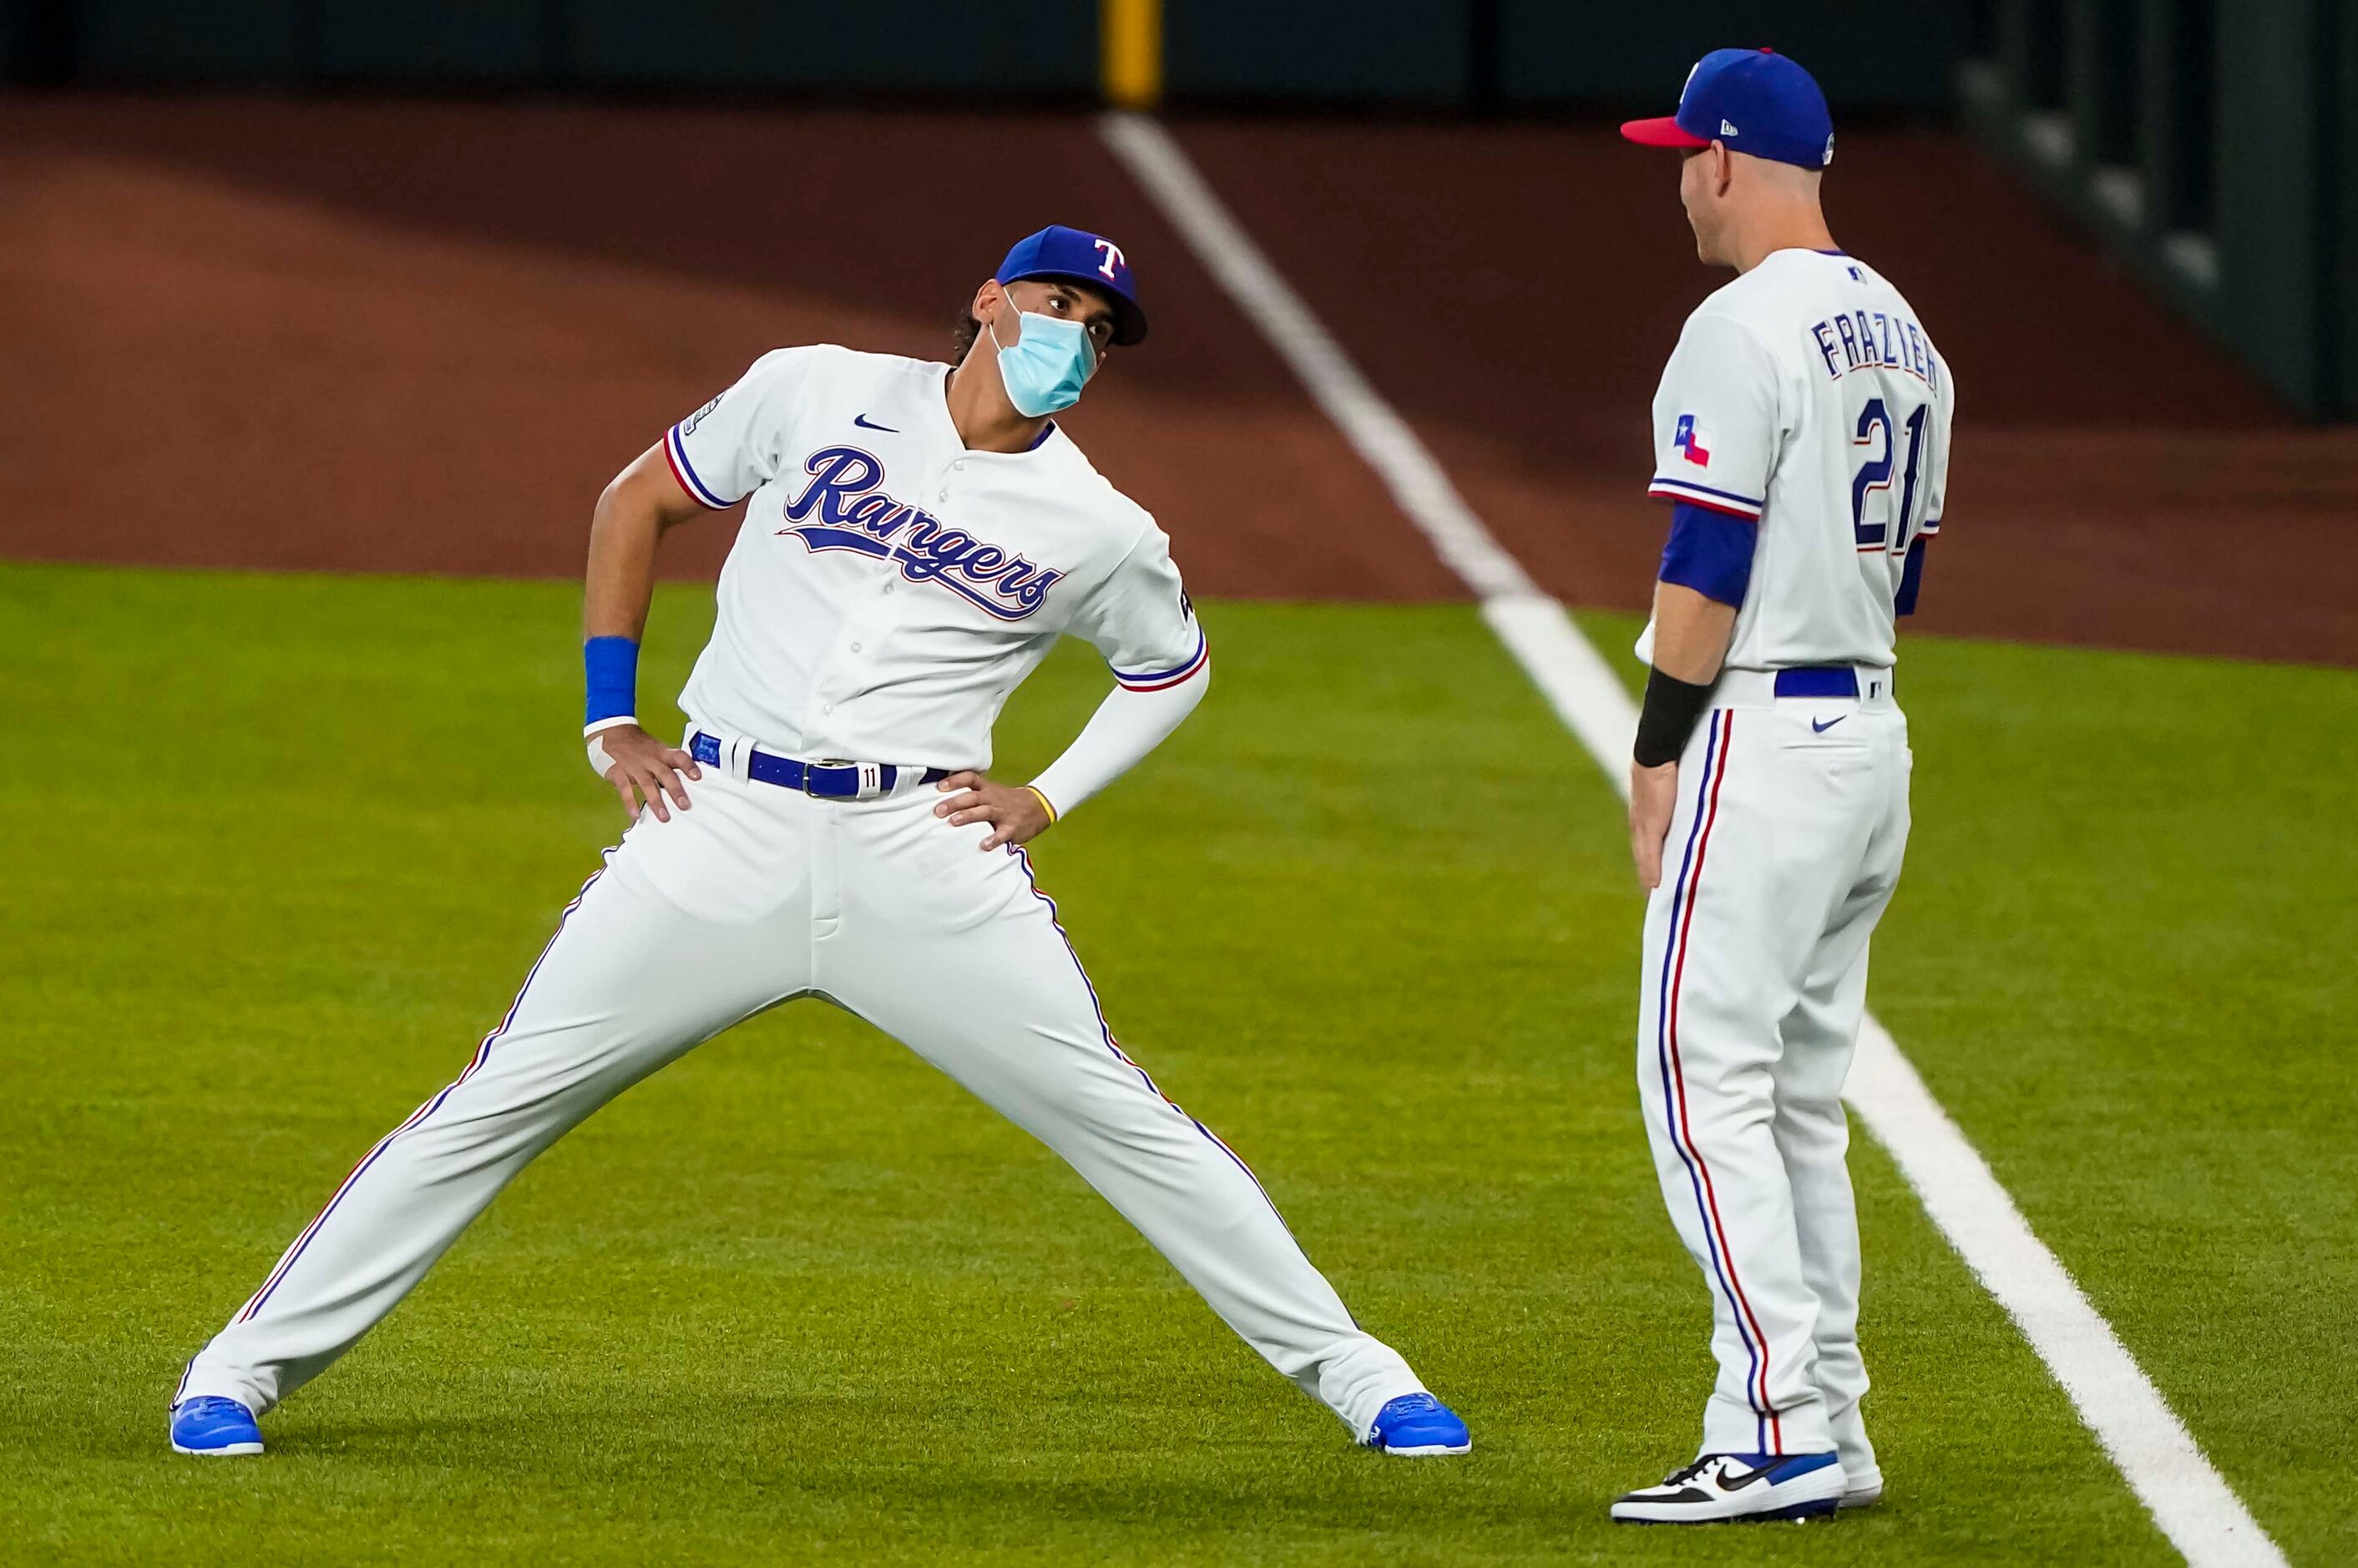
pixel 758 895
pixel 1791 822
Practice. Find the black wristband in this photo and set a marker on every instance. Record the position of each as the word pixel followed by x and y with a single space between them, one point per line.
pixel 1669 716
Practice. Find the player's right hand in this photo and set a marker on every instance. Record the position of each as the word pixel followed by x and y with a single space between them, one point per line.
pixel 1653 799
pixel 642 770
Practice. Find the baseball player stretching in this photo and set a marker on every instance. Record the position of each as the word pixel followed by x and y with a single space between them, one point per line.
pixel 1802 438
pixel 918 538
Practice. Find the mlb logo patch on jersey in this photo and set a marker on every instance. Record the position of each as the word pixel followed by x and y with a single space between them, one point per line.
pixel 1692 440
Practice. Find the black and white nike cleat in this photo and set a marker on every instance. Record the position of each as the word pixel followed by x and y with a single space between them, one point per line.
pixel 1722 1487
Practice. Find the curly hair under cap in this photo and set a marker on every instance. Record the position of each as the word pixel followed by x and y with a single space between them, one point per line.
pixel 962 335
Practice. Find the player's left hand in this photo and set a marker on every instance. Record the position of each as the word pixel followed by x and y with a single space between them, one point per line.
pixel 1653 797
pixel 1016 814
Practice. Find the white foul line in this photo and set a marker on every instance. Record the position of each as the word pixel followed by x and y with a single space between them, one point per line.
pixel 2189 1498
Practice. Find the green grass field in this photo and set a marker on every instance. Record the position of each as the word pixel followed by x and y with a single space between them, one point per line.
pixel 281 848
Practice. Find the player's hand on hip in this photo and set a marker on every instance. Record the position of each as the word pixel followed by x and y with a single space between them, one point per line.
pixel 1653 797
pixel 1017 813
pixel 642 770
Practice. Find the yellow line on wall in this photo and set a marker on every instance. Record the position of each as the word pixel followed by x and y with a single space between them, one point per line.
pixel 1132 32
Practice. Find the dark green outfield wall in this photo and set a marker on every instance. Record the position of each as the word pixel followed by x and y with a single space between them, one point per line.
pixel 1044 46
pixel 2213 145
pixel 1865 54
pixel 1537 52
pixel 1402 50
pixel 1435 52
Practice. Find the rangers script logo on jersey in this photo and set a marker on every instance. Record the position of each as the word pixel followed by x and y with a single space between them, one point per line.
pixel 854 512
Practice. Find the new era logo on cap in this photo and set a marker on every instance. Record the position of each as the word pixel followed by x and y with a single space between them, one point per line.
pixel 1782 112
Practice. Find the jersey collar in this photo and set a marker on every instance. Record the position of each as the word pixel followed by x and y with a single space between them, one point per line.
pixel 940 405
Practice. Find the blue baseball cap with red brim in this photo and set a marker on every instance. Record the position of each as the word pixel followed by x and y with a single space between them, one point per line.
pixel 1755 100
pixel 1076 255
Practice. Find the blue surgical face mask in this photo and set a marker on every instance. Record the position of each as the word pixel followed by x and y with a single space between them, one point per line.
pixel 1047 366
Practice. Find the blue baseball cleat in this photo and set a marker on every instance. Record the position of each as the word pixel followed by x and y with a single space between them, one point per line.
pixel 1417 1426
pixel 210 1425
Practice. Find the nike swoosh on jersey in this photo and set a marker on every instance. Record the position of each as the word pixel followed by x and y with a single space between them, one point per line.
pixel 864 423
pixel 1821 729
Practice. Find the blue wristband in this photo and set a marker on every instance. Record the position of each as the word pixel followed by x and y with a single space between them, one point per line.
pixel 612 666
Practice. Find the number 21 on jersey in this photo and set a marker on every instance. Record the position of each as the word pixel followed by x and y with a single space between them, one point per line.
pixel 1880 525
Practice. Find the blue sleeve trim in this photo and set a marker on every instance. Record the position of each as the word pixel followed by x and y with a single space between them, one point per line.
pixel 1911 580
pixel 1671 487
pixel 1155 680
pixel 611 668
pixel 1710 552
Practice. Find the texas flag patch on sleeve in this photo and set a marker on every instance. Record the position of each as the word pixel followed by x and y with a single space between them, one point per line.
pixel 1693 440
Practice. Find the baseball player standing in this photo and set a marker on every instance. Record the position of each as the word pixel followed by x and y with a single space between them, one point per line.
pixel 918 538
pixel 1802 438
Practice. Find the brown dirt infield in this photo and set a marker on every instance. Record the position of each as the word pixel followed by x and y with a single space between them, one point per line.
pixel 420 338
pixel 402 336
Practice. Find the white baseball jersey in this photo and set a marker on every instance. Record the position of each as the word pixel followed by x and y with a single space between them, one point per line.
pixel 1805 395
pixel 891 586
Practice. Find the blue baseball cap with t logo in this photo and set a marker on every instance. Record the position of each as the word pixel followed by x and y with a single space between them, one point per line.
pixel 1755 100
pixel 1076 255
